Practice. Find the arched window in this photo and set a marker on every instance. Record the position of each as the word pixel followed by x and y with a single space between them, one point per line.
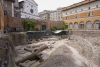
pixel 88 25
pixel 75 25
pixel 81 25
pixel 70 25
pixel 97 24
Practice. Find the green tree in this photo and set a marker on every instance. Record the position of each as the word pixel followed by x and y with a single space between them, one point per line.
pixel 54 28
pixel 24 22
pixel 29 24
pixel 63 27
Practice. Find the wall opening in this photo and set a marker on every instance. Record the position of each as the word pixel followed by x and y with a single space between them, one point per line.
pixel 70 25
pixel 88 25
pixel 81 25
pixel 43 26
pixel 97 25
pixel 75 25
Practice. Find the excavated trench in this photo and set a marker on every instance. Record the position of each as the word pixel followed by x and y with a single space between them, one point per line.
pixel 53 51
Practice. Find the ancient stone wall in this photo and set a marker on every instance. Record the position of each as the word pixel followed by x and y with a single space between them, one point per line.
pixel 92 33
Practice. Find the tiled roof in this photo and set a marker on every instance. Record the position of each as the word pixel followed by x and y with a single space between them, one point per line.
pixel 77 4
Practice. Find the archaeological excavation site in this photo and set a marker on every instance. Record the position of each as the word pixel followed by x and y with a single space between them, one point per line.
pixel 50 49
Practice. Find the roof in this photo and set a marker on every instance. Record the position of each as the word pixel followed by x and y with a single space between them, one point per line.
pixel 78 4
pixel 21 2
pixel 10 0
pixel 35 3
pixel 24 0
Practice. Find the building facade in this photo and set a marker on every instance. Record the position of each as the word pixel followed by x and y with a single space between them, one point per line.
pixel 82 15
pixel 56 15
pixel 59 14
pixel 47 24
pixel 53 15
pixel 16 9
pixel 29 9
pixel 1 17
pixel 45 15
pixel 8 7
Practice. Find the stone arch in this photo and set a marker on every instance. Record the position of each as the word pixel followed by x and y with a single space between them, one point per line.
pixel 97 24
pixel 82 25
pixel 75 25
pixel 88 25
pixel 71 25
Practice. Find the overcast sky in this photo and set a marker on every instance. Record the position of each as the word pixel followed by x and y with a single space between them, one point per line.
pixel 53 4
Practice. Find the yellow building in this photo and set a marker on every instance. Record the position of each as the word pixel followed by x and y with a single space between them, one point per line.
pixel 82 15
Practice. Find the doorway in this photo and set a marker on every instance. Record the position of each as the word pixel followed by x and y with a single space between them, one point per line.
pixel 44 27
pixel 81 25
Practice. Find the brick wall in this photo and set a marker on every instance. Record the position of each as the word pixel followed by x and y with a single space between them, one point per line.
pixel 72 16
pixel 12 21
pixel 17 22
pixel 82 15
pixel 1 16
pixel 64 18
pixel 96 13
pixel 8 8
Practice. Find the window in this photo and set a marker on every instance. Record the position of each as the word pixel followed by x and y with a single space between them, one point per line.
pixel 89 7
pixel 76 11
pixel 96 6
pixel 31 5
pixel 81 9
pixel 89 14
pixel 31 10
pixel 5 5
pixel 5 12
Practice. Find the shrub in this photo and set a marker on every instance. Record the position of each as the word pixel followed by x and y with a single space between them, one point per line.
pixel 28 24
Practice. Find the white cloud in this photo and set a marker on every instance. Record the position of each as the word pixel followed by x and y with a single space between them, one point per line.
pixel 54 4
